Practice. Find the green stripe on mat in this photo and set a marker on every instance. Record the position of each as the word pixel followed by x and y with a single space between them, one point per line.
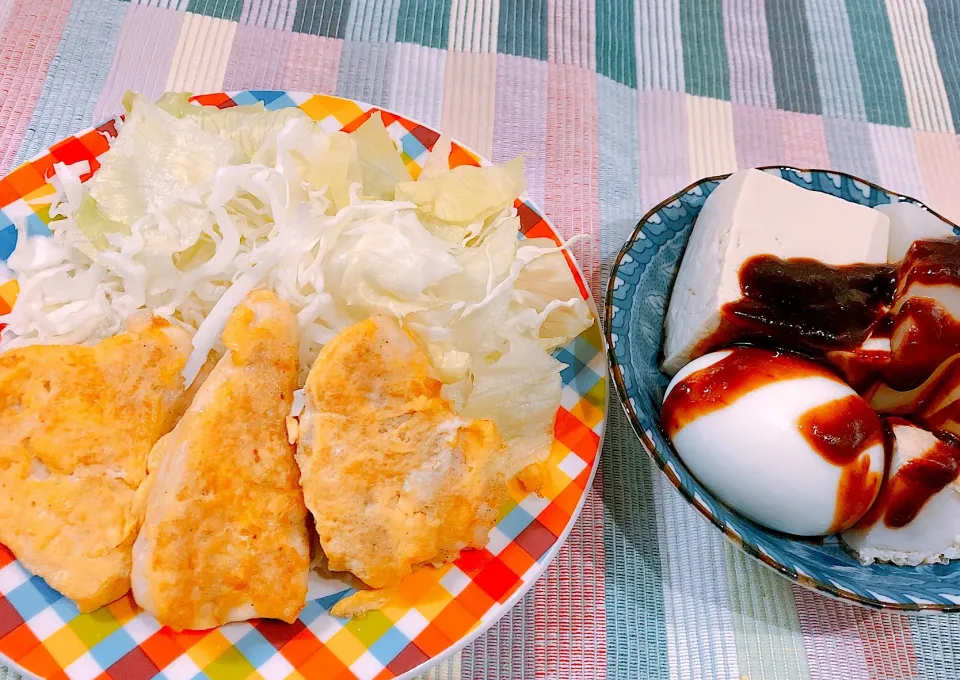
pixel 322 17
pixel 944 17
pixel 522 28
pixel 880 78
pixel 794 72
pixel 425 22
pixel 705 69
pixel 636 624
pixel 616 51
pixel 218 9
pixel 769 640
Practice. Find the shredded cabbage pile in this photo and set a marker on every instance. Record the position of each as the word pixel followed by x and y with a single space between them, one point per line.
pixel 193 207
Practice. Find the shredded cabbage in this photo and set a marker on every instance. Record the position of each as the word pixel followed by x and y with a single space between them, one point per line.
pixel 193 207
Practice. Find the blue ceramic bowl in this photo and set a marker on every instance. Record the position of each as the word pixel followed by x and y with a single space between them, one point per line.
pixel 636 304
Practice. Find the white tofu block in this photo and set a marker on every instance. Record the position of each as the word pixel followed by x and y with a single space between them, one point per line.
pixel 909 223
pixel 755 213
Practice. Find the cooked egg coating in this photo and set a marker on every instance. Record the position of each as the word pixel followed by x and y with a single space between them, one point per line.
pixel 225 534
pixel 76 426
pixel 393 477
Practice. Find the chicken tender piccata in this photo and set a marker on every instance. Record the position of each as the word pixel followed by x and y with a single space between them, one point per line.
pixel 393 478
pixel 76 426
pixel 224 536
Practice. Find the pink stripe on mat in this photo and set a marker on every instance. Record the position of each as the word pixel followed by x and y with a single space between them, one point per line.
pixel 256 58
pixel 831 636
pixel 757 138
pixel 469 85
pixel 570 623
pixel 896 155
pixel 505 651
pixel 938 155
pixel 272 59
pixel 804 140
pixel 268 58
pixel 888 644
pixel 141 61
pixel 663 147
pixel 28 43
pixel 573 161
pixel 570 616
pixel 520 118
pixel 310 64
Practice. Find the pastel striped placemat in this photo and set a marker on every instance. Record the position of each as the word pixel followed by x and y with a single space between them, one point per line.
pixel 616 104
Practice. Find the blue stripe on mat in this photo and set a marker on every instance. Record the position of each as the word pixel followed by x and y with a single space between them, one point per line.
pixel 76 75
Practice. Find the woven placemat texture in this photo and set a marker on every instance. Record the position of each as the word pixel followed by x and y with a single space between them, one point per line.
pixel 616 104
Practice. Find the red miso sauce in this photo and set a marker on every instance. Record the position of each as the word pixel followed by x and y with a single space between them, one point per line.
pixel 876 509
pixel 856 492
pixel 932 261
pixel 719 385
pixel 919 480
pixel 935 414
pixel 927 333
pixel 841 431
pixel 805 305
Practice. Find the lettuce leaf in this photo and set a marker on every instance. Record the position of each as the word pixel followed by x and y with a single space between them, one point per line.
pixel 381 166
pixel 466 194
pixel 94 225
pixel 546 295
pixel 520 391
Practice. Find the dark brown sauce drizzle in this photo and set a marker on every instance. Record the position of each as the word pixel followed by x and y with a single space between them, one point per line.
pixel 884 328
pixel 904 493
pixel 917 481
pixel 722 383
pixel 841 431
pixel 932 338
pixel 934 335
pixel 805 305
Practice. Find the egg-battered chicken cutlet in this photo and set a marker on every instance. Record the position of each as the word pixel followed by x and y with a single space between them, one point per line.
pixel 393 478
pixel 76 426
pixel 224 536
